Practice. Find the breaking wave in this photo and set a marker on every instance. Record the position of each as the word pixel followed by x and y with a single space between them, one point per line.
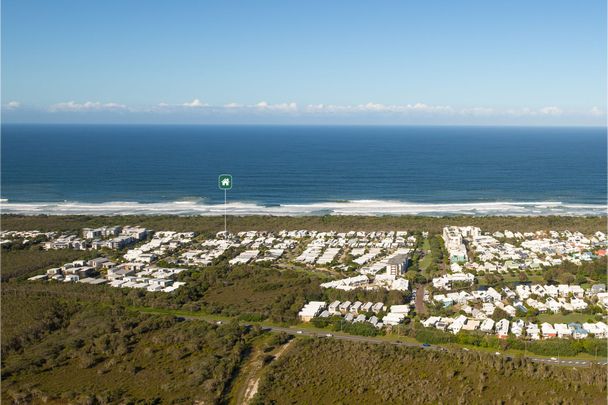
pixel 355 207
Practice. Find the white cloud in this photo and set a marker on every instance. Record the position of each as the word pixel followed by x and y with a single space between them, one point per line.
pixel 371 109
pixel 196 103
pixel 478 111
pixel 12 105
pixel 531 112
pixel 379 108
pixel 597 112
pixel 86 106
pixel 551 111
pixel 284 107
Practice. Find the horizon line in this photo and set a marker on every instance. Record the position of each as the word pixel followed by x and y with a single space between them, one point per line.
pixel 257 124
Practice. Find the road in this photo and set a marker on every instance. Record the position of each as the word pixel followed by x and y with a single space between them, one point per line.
pixel 419 300
pixel 368 339
pixel 375 340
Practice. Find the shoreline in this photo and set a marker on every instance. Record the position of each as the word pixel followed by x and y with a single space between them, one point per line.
pixel 198 207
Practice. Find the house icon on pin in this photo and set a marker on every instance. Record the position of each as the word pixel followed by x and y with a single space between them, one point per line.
pixel 225 181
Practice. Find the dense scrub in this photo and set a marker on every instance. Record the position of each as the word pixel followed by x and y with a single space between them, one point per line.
pixel 393 297
pixel 329 371
pixel 338 324
pixel 211 225
pixel 26 320
pixel 26 262
pixel 251 292
pixel 570 273
pixel 109 355
pixel 256 291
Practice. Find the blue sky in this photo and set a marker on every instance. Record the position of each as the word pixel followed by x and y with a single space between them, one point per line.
pixel 395 62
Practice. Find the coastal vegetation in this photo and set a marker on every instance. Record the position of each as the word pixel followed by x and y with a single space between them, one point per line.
pixel 329 371
pixel 25 262
pixel 81 343
pixel 251 292
pixel 211 225
pixel 75 353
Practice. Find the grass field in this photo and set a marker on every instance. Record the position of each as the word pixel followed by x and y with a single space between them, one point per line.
pixel 561 318
pixel 427 259
pixel 507 278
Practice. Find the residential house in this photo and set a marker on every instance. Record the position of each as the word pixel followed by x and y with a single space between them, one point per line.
pixel 548 331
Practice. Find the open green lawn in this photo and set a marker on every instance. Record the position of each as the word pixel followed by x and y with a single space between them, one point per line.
pixel 426 260
pixel 508 278
pixel 560 318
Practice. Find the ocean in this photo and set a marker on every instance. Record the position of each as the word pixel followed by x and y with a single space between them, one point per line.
pixel 303 170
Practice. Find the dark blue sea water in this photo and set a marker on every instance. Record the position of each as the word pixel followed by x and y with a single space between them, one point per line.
pixel 306 169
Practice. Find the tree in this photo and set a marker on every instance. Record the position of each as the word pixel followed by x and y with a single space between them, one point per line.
pixel 566 278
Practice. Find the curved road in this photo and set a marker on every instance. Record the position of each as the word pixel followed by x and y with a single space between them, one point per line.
pixel 375 340
pixel 367 339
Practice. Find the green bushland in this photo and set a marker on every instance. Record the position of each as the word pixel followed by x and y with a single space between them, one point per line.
pixel 570 273
pixel 211 225
pixel 338 324
pixel 439 256
pixel 27 262
pixel 250 292
pixel 29 319
pixel 253 292
pixel 110 355
pixel 332 371
pixel 387 297
pixel 591 272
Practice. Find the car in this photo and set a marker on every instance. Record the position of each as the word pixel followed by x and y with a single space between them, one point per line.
pixel 465 349
pixel 497 353
pixel 218 322
pixel 426 345
pixel 329 335
pixel 553 358
pixel 299 332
